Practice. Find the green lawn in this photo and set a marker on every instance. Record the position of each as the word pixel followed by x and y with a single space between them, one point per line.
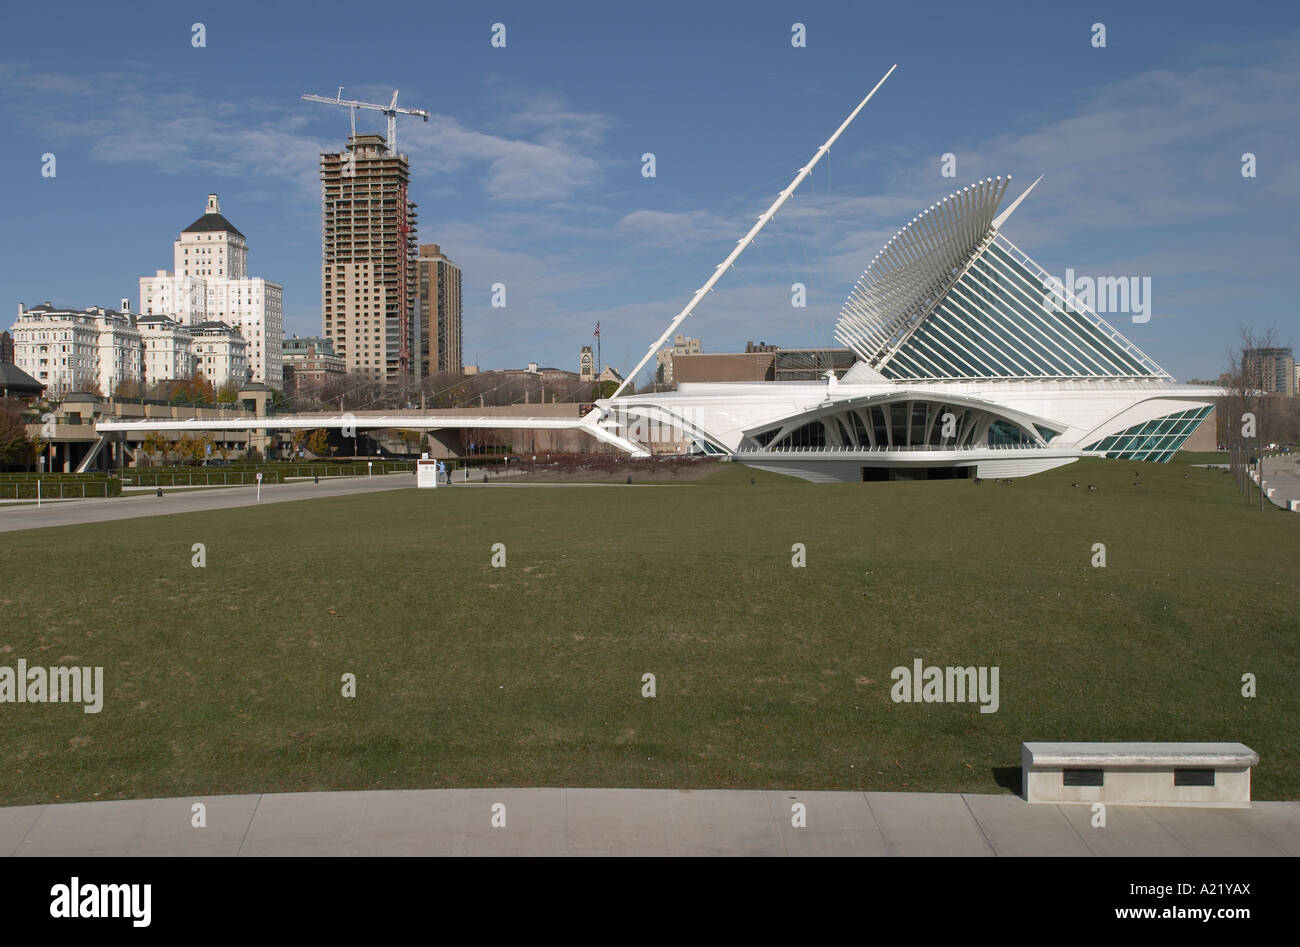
pixel 227 679
pixel 1202 457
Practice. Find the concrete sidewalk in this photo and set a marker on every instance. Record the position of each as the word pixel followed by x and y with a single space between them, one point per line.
pixel 180 500
pixel 185 499
pixel 648 822
pixel 1282 473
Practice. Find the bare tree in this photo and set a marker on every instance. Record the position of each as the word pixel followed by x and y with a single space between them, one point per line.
pixel 1254 416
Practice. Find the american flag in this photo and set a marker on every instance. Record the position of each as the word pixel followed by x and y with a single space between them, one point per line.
pixel 597 332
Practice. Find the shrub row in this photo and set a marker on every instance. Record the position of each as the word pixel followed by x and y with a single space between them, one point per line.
pixel 55 488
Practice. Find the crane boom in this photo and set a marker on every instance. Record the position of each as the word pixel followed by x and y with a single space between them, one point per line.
pixel 391 110
pixel 749 237
pixel 366 105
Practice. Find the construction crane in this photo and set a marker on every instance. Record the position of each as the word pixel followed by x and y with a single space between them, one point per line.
pixel 391 110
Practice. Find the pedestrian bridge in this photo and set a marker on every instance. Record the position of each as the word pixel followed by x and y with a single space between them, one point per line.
pixel 351 422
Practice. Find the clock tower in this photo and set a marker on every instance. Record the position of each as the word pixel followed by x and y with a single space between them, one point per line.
pixel 586 366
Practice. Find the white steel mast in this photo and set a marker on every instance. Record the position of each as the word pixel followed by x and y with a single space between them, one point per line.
pixel 748 238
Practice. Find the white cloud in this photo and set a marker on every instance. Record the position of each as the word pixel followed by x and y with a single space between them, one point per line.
pixel 685 230
pixel 133 117
pixel 509 169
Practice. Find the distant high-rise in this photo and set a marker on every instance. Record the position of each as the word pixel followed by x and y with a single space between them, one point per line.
pixel 368 272
pixel 1272 369
pixel 682 345
pixel 209 282
pixel 440 299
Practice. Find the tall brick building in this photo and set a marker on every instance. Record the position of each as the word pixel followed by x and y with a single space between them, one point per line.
pixel 440 299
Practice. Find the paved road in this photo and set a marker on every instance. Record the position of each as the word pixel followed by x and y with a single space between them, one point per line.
pixel 1283 474
pixel 654 822
pixel 191 501
pixel 194 500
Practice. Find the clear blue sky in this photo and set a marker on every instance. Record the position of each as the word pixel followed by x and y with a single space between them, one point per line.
pixel 529 173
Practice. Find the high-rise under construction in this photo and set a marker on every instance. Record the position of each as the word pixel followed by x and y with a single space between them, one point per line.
pixel 368 249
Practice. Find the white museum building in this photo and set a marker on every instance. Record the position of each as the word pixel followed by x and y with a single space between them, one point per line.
pixel 970 362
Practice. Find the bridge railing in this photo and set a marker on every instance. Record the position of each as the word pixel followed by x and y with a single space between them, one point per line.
pixel 918 448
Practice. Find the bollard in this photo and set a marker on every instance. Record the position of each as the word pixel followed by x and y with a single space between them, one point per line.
pixel 315 478
pixel 160 491
pixel 629 479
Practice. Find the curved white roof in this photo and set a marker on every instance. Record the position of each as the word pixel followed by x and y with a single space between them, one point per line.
pixel 916 266
pixel 948 297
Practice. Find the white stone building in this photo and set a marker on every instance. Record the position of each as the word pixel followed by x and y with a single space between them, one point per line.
pixel 167 349
pixel 184 298
pixel 253 306
pixel 77 349
pixel 220 354
pixel 119 348
pixel 209 282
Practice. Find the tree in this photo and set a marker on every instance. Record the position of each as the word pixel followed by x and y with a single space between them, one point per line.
pixel 194 449
pixel 195 390
pixel 15 446
pixel 228 393
pixel 155 443
pixel 129 388
pixel 318 442
pixel 1249 404
pixel 40 444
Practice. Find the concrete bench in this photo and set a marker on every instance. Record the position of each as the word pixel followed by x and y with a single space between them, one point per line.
pixel 1139 774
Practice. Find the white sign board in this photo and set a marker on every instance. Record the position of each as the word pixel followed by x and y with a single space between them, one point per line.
pixel 426 473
